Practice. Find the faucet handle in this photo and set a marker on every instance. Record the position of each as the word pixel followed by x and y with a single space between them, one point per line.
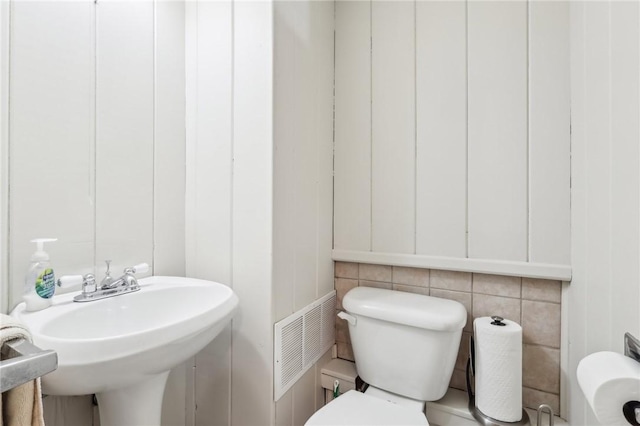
pixel 88 282
pixel 67 281
pixel 107 280
pixel 140 268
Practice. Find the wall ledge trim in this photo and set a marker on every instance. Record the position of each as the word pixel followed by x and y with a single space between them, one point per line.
pixel 482 266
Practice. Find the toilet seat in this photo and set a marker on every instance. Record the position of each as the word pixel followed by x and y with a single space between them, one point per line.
pixel 355 408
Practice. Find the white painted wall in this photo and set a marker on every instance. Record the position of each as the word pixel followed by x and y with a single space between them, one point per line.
pixel 229 201
pixel 93 100
pixel 259 191
pixel 303 183
pixel 604 295
pixel 4 157
pixel 452 135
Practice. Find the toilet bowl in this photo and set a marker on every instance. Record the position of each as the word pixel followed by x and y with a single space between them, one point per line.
pixel 405 347
pixel 356 408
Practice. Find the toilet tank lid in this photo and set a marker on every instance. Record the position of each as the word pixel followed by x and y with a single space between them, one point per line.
pixel 412 309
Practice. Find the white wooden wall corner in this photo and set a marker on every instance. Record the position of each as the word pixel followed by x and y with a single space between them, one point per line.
pixel 452 136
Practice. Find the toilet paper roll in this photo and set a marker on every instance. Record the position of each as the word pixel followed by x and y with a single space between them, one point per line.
pixel 498 369
pixel 609 380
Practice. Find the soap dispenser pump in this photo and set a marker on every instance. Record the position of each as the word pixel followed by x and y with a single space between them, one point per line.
pixel 40 281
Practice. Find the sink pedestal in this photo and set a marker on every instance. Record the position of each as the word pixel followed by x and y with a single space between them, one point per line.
pixel 137 405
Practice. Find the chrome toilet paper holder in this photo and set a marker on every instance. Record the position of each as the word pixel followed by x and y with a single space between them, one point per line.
pixel 631 347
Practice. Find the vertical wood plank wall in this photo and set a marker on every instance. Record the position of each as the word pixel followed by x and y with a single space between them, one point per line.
pixel 393 127
pixel 352 127
pixel 441 127
pixel 452 133
pixel 303 182
pixel 96 147
pixel 604 295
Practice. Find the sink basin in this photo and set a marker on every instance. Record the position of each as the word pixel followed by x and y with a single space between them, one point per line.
pixel 123 347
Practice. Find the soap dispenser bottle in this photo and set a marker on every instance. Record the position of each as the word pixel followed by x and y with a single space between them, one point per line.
pixel 40 281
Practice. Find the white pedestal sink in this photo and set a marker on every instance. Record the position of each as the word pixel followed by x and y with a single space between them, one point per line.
pixel 122 348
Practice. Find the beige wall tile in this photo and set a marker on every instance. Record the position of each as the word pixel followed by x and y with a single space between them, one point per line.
pixel 346 270
pixel 410 276
pixel 411 289
pixel 486 306
pixel 345 351
pixel 343 285
pixel 497 285
pixel 450 280
pixel 532 398
pixel 543 290
pixel 376 284
pixel 375 272
pixel 458 296
pixel 458 380
pixel 541 368
pixel 342 331
pixel 541 323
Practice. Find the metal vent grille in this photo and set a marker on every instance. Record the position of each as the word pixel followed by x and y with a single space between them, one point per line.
pixel 301 339
pixel 292 350
pixel 312 333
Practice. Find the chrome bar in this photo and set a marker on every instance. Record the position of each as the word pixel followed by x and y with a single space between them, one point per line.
pixel 631 347
pixel 23 362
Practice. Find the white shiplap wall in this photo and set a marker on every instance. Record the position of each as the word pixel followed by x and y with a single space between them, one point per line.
pixel 93 97
pixel 229 117
pixel 452 140
pixel 604 295
pixel 259 191
pixel 303 183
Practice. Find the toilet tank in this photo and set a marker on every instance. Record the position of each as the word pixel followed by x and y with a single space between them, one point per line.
pixel 405 343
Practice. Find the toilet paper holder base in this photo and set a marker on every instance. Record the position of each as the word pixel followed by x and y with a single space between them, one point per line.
pixel 482 418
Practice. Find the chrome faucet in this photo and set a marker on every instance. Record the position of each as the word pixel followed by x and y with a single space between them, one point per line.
pixel 108 279
pixel 109 287
pixel 126 280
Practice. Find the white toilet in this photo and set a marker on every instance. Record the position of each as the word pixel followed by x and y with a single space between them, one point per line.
pixel 405 346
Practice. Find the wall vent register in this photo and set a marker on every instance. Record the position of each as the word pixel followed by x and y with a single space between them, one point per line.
pixel 301 339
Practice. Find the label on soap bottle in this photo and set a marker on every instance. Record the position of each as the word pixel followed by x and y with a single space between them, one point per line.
pixel 46 284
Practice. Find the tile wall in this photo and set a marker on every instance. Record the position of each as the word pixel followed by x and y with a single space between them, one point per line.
pixel 533 303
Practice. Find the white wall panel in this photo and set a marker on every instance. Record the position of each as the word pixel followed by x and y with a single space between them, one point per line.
pixel 549 138
pixel 51 136
pixel 124 133
pixel 441 126
pixel 463 151
pixel 210 149
pixel 497 55
pixel 393 131
pixel 604 295
pixel 598 157
pixel 169 139
pixel 303 154
pixel 4 156
pixel 287 135
pixel 324 47
pixel 625 170
pixel 169 172
pixel 303 165
pixel 252 380
pixel 575 296
pixel 352 168
pixel 213 149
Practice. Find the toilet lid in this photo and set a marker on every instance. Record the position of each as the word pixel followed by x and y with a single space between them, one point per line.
pixel 355 408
